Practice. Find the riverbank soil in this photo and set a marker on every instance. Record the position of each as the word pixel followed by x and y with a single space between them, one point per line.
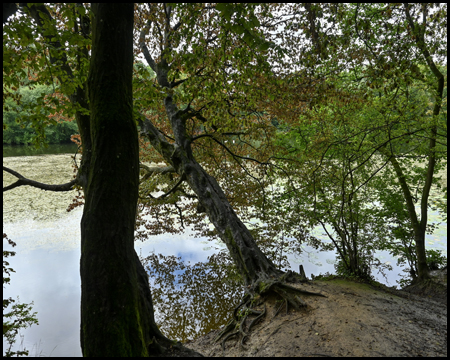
pixel 355 319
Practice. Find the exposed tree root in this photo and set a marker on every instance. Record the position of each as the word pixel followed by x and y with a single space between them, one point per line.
pixel 254 297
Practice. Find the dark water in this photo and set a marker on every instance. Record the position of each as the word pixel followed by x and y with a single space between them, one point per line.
pixel 30 150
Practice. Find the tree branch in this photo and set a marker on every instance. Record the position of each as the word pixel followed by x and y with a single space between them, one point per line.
pixel 23 181
pixel 182 178
pixel 156 138
pixel 40 14
pixel 144 47
pixel 162 170
pixel 212 136
pixel 158 169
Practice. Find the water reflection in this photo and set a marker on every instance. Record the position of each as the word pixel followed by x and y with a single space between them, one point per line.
pixel 192 299
pixel 47 272
pixel 189 298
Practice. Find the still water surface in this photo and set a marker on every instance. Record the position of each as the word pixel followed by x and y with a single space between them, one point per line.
pixel 30 150
pixel 48 254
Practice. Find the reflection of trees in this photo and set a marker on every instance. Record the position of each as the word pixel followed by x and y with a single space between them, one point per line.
pixel 191 300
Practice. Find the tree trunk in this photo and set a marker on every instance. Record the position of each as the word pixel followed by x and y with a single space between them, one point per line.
pixel 418 227
pixel 252 264
pixel 116 306
pixel 260 275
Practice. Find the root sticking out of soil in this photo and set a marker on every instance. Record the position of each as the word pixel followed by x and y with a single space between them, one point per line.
pixel 253 307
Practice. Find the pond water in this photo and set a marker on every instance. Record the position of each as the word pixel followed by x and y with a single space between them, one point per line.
pixel 30 150
pixel 48 255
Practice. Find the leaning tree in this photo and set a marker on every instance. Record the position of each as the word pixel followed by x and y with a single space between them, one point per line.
pixel 191 47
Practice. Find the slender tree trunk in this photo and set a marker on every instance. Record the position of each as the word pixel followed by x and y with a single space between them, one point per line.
pixel 418 31
pixel 419 227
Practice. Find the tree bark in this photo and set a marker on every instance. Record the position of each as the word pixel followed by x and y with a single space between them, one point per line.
pixel 117 316
pixel 257 270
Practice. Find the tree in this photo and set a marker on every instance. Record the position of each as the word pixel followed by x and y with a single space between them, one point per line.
pixel 420 33
pixel 231 27
pixel 396 52
pixel 18 127
pixel 169 25
pixel 116 305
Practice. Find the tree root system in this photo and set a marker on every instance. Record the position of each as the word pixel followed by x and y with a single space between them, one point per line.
pixel 253 308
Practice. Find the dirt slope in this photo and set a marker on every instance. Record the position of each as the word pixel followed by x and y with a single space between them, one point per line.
pixel 353 320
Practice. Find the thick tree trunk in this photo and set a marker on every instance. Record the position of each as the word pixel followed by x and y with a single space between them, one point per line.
pixel 110 319
pixel 116 306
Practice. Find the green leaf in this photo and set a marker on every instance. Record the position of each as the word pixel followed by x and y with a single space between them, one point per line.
pixel 265 45
pixel 238 29
pixel 221 7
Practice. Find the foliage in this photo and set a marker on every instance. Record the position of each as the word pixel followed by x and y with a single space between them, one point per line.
pixel 435 259
pixel 384 111
pixel 18 124
pixel 36 92
pixel 19 316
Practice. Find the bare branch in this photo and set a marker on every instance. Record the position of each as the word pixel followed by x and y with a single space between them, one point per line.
pixel 177 25
pixel 211 135
pixel 158 169
pixel 23 181
pixel 144 47
pixel 150 170
pixel 174 84
pixel 182 178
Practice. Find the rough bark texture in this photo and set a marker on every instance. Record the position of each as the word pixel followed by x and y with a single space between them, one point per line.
pixel 260 275
pixel 116 306
pixel 110 319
